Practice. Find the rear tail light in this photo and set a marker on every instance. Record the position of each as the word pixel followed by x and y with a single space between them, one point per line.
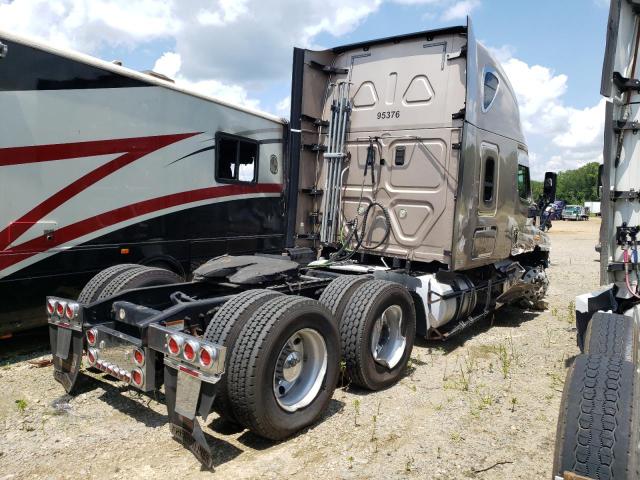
pixel 174 345
pixel 92 335
pixel 190 349
pixel 92 356
pixel 137 377
pixel 51 307
pixel 71 310
pixel 138 357
pixel 206 356
pixel 60 308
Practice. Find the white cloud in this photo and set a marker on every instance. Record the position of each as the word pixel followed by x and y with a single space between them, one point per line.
pixel 585 127
pixel 460 10
pixel 560 136
pixel 283 107
pixel 170 63
pixel 87 24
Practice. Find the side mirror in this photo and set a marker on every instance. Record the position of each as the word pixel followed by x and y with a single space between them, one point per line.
pixel 600 169
pixel 549 189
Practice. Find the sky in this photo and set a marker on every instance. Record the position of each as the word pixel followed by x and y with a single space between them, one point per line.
pixel 241 50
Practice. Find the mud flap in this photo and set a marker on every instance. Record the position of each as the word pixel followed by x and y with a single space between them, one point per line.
pixel 187 397
pixel 66 348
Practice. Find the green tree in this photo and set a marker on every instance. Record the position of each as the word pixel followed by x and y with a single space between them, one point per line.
pixel 579 185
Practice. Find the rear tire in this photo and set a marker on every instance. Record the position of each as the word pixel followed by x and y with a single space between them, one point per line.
pixel 597 425
pixel 138 278
pixel 611 335
pixel 92 289
pixel 338 293
pixel 257 362
pixel 224 329
pixel 363 315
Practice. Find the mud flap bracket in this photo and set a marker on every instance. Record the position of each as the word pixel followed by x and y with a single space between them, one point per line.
pixel 66 345
pixel 186 397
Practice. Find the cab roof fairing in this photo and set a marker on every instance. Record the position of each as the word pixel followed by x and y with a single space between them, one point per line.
pixel 503 116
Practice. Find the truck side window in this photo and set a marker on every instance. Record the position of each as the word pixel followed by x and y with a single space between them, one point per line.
pixel 490 89
pixel 488 184
pixel 236 158
pixel 524 184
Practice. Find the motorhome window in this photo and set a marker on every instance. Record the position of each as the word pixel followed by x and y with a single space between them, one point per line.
pixel 488 185
pixel 491 83
pixel 524 184
pixel 236 159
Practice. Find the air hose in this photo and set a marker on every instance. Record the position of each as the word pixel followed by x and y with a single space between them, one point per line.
pixel 625 254
pixel 360 236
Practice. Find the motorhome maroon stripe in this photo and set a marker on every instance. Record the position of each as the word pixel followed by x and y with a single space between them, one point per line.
pixel 132 149
pixel 84 227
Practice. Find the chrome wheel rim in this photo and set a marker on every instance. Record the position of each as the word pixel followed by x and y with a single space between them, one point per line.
pixel 300 370
pixel 387 340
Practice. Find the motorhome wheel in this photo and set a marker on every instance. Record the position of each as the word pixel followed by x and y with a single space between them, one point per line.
pixel 94 287
pixel 138 278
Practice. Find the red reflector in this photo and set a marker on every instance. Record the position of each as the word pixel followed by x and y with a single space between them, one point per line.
pixel 50 307
pixel 189 351
pixel 188 371
pixel 60 309
pixel 124 251
pixel 91 356
pixel 174 346
pixel 70 313
pixel 136 376
pixel 138 356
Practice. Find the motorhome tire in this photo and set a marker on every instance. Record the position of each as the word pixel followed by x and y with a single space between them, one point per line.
pixel 92 289
pixel 138 278
pixel 610 334
pixel 598 421
pixel 224 329
pixel 284 367
pixel 377 333
pixel 337 294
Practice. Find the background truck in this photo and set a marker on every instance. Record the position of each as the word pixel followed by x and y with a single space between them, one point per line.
pixel 598 433
pixel 575 212
pixel 594 208
pixel 406 199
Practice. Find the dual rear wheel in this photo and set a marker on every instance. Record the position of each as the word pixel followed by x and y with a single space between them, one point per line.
pixel 284 352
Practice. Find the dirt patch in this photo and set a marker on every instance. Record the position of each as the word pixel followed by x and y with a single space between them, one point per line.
pixel 487 400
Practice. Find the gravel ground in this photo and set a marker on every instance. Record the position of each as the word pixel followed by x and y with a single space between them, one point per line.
pixel 483 406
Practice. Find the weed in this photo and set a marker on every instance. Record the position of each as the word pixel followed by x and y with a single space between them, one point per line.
pixel 438 407
pixel 350 460
pixel 571 312
pixel 408 467
pixel 21 404
pixel 514 402
pixel 356 407
pixel 439 453
pixel 343 371
pixel 554 312
pixel 464 379
pixel 486 400
pixel 504 359
pixel 456 437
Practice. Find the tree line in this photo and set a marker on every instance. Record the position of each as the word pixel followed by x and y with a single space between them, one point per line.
pixel 574 186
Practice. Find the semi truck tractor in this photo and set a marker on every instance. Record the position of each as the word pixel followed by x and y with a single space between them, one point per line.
pixel 402 187
pixel 598 433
